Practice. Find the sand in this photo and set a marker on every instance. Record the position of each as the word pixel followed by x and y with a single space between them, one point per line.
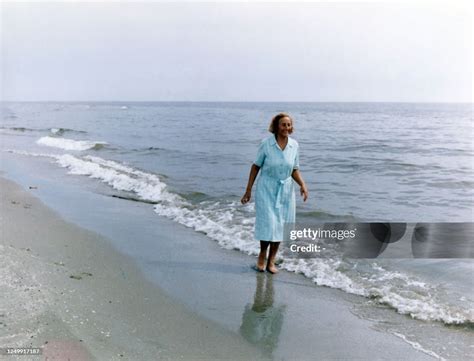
pixel 64 289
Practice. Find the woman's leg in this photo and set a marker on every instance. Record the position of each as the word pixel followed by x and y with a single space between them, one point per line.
pixel 271 257
pixel 263 255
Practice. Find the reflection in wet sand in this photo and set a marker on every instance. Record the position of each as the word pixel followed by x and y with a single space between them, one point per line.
pixel 261 321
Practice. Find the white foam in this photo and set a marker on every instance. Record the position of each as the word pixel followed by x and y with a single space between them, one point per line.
pixel 69 144
pixel 365 278
pixel 418 347
pixel 222 222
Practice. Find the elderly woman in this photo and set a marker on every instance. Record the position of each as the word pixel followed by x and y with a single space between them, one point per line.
pixel 278 159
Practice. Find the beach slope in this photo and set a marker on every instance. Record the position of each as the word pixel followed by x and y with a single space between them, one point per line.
pixel 67 291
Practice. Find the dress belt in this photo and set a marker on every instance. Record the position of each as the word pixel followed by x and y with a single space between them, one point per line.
pixel 281 184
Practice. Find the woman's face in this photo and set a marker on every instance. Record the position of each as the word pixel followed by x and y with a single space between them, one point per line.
pixel 284 127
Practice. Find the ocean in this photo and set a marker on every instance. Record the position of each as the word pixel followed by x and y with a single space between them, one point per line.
pixel 362 162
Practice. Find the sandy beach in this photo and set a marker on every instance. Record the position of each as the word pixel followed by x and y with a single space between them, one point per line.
pixel 66 291
pixel 71 293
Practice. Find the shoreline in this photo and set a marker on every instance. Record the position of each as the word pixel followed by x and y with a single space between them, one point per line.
pixel 72 294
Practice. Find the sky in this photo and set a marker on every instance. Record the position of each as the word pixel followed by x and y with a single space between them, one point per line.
pixel 189 51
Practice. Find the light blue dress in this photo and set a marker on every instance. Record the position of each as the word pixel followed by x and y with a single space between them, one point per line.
pixel 275 193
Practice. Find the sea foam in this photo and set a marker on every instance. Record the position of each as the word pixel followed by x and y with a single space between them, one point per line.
pixel 70 144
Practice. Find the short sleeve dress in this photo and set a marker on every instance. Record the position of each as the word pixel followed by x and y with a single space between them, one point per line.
pixel 275 193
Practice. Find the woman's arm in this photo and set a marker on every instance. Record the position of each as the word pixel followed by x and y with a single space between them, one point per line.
pixel 248 192
pixel 296 175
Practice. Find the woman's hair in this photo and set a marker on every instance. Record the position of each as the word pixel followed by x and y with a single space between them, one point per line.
pixel 273 128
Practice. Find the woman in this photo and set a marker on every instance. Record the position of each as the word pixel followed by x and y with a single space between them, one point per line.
pixel 275 199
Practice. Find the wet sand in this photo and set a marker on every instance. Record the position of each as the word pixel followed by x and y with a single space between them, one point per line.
pixel 64 289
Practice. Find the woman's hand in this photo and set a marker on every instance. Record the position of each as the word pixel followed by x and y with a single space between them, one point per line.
pixel 298 179
pixel 246 197
pixel 304 192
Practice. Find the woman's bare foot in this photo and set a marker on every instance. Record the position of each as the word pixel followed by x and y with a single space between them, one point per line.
pixel 271 268
pixel 261 262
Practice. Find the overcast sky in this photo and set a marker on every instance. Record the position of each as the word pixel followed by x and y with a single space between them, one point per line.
pixel 237 51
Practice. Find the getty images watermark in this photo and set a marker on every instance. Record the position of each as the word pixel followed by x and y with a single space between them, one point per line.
pixel 379 240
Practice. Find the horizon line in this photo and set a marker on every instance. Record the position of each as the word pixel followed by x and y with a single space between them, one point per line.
pixel 231 101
